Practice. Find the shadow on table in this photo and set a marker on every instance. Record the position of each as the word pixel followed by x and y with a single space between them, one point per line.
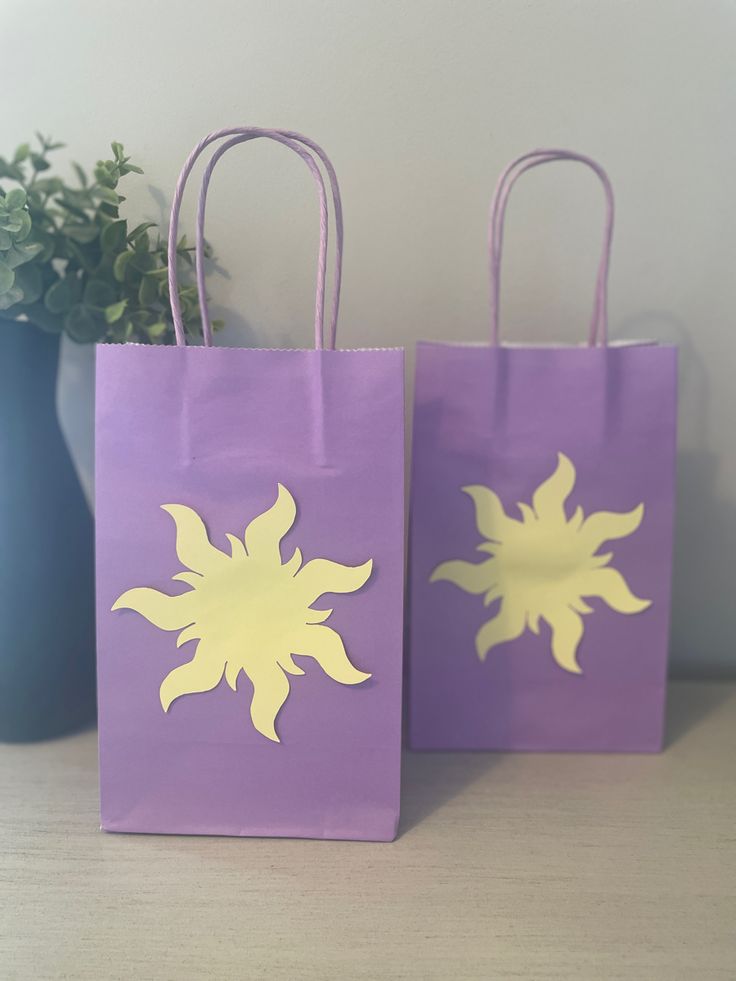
pixel 430 780
pixel 688 705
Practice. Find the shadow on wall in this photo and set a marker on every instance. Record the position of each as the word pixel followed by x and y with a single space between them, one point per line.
pixel 705 527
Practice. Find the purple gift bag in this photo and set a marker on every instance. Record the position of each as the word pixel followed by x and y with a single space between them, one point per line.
pixel 541 533
pixel 249 575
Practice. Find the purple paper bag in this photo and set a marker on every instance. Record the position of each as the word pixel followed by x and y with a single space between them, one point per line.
pixel 541 534
pixel 249 577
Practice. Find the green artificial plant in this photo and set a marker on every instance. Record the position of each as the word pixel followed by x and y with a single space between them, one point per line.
pixel 69 262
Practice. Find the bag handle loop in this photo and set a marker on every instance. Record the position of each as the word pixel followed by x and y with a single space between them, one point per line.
pixel 292 140
pixel 598 333
pixel 199 251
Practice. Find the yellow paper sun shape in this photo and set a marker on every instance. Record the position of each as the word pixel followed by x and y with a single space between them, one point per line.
pixel 542 566
pixel 248 611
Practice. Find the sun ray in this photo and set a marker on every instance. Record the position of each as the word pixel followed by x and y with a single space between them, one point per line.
pixel 198 675
pixel 605 525
pixel 612 588
pixel 326 647
pixel 490 518
pixel 193 547
pixel 508 624
pixel 270 691
pixel 549 498
pixel 325 576
pixel 264 533
pixel 163 611
pixel 472 577
pixel 567 632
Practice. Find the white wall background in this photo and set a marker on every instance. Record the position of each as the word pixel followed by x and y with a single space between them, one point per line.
pixel 420 103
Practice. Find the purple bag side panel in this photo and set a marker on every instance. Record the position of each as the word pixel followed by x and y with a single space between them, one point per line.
pixel 217 430
pixel 499 417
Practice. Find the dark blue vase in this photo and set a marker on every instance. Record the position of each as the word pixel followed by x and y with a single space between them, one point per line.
pixel 47 644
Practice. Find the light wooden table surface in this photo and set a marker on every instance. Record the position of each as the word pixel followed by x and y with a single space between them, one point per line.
pixel 508 867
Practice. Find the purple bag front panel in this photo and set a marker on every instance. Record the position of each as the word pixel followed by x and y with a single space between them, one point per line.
pixel 217 430
pixel 501 418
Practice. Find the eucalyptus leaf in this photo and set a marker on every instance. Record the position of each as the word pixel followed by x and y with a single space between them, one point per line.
pixel 78 254
pixel 15 199
pixel 11 171
pixel 147 291
pixel 39 162
pixel 143 262
pixel 79 197
pixel 71 208
pixel 46 244
pixel 119 266
pixel 81 324
pixel 142 242
pixel 139 229
pixel 12 223
pixel 114 236
pixel 80 233
pixel 98 293
pixel 11 298
pixel 18 255
pixel 107 194
pixel 28 280
pixel 25 227
pixel 104 175
pixel 59 297
pixel 115 311
pixel 156 331
pixel 161 274
pixel 49 185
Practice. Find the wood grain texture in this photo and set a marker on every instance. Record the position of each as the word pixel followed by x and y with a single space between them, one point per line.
pixel 508 866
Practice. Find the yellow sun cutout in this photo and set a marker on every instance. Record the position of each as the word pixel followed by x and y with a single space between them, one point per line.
pixel 249 611
pixel 542 566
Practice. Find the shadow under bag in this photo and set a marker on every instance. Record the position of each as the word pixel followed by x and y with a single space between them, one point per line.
pixel 250 509
pixel 542 504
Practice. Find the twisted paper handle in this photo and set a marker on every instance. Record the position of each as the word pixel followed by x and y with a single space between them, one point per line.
pixel 598 333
